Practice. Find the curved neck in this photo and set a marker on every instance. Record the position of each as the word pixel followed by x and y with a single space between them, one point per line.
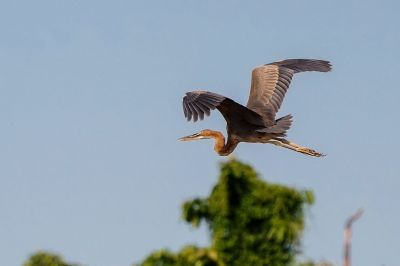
pixel 220 147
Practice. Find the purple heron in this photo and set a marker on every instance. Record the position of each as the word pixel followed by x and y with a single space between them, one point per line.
pixel 254 123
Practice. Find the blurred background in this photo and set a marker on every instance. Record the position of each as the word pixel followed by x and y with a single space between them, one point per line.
pixel 90 111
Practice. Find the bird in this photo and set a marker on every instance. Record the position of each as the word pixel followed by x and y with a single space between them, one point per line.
pixel 256 122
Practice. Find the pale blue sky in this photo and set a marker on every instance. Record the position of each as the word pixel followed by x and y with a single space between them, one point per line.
pixel 90 110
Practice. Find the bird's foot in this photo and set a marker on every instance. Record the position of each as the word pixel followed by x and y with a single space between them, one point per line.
pixel 309 152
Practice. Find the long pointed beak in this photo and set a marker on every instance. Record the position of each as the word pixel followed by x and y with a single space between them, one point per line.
pixel 191 137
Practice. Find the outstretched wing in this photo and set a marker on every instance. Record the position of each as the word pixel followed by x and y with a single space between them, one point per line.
pixel 196 104
pixel 270 82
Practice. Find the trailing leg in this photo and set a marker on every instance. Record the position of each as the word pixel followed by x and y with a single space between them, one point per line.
pixel 293 146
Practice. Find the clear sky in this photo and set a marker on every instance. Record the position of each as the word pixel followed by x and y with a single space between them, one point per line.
pixel 90 111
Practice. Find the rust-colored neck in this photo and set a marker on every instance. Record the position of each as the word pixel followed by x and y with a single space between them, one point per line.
pixel 220 147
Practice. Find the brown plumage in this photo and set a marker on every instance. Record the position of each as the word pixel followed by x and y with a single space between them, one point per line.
pixel 255 122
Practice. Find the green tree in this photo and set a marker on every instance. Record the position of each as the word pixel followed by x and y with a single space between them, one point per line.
pixel 251 222
pixel 42 258
pixel 188 256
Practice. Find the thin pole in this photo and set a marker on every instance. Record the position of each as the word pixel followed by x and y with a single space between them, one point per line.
pixel 347 237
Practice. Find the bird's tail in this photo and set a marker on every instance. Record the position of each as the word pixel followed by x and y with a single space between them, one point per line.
pixel 293 146
pixel 281 126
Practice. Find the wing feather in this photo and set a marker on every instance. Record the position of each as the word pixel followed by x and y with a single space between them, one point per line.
pixel 194 112
pixel 200 103
pixel 196 104
pixel 302 65
pixel 208 105
pixel 185 110
pixel 205 109
pixel 270 83
pixel 199 110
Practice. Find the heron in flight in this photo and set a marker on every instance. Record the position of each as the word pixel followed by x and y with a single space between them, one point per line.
pixel 255 122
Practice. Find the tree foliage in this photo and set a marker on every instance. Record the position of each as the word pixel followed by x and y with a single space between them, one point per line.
pixel 188 256
pixel 42 258
pixel 251 222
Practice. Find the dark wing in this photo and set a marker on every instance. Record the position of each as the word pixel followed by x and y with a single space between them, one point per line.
pixel 196 104
pixel 270 82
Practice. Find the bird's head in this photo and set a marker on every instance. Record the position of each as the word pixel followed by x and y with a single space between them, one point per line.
pixel 211 134
pixel 204 134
